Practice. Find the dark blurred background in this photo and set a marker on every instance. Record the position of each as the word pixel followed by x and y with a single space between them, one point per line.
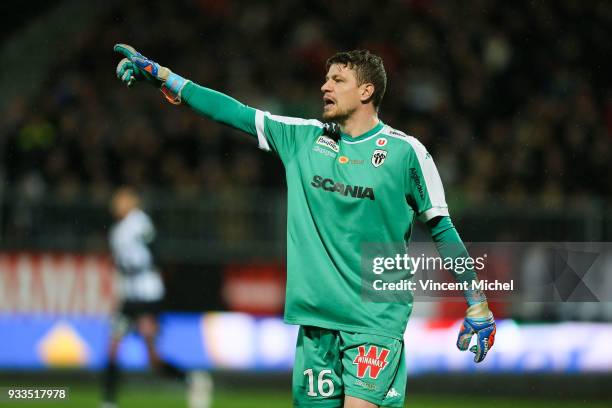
pixel 512 98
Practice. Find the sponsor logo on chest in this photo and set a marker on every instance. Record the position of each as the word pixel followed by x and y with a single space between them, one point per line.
pixel 346 190
pixel 346 160
pixel 328 142
pixel 324 152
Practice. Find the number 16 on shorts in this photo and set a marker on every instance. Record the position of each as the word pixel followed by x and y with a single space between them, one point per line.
pixel 325 386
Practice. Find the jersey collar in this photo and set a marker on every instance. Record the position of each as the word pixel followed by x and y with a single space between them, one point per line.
pixel 364 136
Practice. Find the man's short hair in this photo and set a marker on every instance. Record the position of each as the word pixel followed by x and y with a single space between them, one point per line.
pixel 368 68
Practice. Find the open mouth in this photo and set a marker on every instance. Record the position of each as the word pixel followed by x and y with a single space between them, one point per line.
pixel 328 102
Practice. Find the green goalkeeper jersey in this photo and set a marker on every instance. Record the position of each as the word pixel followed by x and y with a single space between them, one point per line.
pixel 341 194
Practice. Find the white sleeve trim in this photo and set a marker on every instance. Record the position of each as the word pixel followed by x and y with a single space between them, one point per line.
pixel 431 176
pixel 288 120
pixel 433 212
pixel 259 126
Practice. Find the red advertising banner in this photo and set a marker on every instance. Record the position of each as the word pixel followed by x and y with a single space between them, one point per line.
pixel 56 283
pixel 257 289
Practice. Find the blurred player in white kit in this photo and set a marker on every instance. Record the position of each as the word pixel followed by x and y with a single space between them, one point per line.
pixel 140 299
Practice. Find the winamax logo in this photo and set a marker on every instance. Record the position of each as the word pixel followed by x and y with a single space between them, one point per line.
pixel 330 185
pixel 372 362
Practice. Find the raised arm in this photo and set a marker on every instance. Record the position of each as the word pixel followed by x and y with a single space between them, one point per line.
pixel 219 107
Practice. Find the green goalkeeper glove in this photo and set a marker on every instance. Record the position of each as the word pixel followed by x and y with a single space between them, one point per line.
pixel 136 67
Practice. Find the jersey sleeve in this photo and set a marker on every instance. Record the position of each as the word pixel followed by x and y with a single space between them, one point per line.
pixel 280 134
pixel 284 135
pixel 219 107
pixel 424 190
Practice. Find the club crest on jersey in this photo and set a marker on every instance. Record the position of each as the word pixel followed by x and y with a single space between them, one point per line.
pixel 371 362
pixel 378 157
pixel 381 142
pixel 329 143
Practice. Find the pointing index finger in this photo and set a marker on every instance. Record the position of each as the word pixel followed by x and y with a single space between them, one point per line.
pixel 126 50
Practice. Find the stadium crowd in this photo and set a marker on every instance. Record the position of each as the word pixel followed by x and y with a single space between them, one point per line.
pixel 513 99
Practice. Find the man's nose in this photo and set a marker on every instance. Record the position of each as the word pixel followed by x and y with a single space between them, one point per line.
pixel 325 87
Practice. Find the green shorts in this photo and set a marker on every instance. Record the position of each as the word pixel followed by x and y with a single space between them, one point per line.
pixel 331 364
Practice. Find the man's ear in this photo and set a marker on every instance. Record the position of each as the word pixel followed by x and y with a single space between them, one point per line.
pixel 365 92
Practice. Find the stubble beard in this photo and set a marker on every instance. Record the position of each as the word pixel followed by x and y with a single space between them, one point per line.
pixel 338 116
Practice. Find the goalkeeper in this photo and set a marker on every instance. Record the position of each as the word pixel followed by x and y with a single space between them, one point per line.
pixel 351 180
